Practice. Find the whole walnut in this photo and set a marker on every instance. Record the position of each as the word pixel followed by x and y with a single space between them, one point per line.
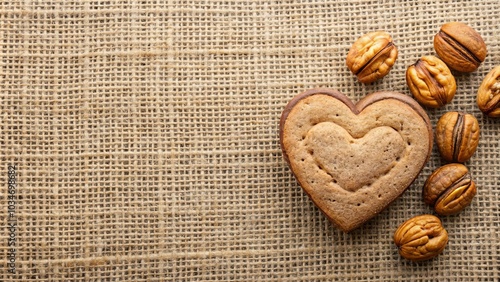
pixel 421 238
pixel 457 136
pixel 449 189
pixel 372 56
pixel 431 82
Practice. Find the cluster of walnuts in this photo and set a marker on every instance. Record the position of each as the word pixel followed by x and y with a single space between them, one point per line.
pixel 449 189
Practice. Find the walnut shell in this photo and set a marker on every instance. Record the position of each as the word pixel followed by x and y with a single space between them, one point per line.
pixel 372 56
pixel 449 189
pixel 488 95
pixel 457 136
pixel 431 82
pixel 460 46
pixel 421 238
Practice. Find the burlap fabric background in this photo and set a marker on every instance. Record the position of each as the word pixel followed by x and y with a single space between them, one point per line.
pixel 145 140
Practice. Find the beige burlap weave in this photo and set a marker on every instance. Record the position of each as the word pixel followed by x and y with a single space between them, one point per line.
pixel 141 141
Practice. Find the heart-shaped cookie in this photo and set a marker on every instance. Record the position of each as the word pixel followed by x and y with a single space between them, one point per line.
pixel 353 160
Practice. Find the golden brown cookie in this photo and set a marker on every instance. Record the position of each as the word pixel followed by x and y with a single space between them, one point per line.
pixel 353 160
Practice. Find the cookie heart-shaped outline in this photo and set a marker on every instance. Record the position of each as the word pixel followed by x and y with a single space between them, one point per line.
pixel 391 117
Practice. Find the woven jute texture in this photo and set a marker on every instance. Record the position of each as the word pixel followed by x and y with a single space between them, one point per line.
pixel 140 139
